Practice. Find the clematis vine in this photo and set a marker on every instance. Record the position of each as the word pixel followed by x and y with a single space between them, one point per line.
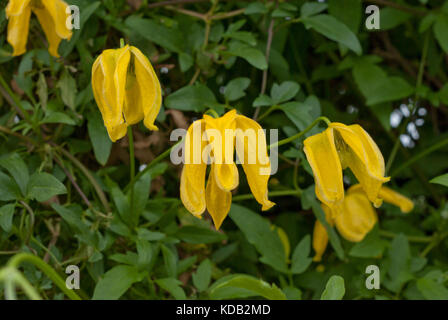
pixel 217 139
pixel 52 17
pixel 337 148
pixel 126 90
pixel 356 216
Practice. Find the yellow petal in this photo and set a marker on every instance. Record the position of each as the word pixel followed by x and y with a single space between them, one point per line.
pixel 390 196
pixel 320 235
pixel 149 86
pixel 18 26
pixel 109 83
pixel 218 201
pixel 252 153
pixel 220 133
pixel 192 182
pixel 320 150
pixel 356 218
pixel 47 23
pixel 359 152
pixel 16 7
pixel 56 12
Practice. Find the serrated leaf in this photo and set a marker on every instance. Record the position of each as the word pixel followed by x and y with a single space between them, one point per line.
pixel 284 92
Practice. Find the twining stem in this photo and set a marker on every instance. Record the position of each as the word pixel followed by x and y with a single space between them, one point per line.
pixel 420 155
pixel 16 100
pixel 270 194
pixel 132 168
pixel 162 156
pixel 418 84
pixel 300 134
pixel 11 276
pixel 416 239
pixel 13 265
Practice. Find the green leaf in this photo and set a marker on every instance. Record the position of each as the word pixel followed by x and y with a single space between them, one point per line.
pixel 302 113
pixel 372 246
pixel 67 85
pixel 312 8
pixel 284 92
pixel 9 190
pixel 185 61
pixel 42 186
pixel 141 195
pixel 334 30
pixel 173 286
pixel 252 55
pixel 255 286
pixel 101 143
pixel 170 261
pixel 347 11
pixel 14 164
pixel 259 233
pixel 441 31
pixel 203 275
pixel 168 38
pixel 6 215
pixel 300 258
pixel 263 101
pixel 144 251
pixel 235 89
pixel 334 290
pixel 115 282
pixel 391 18
pixel 431 286
pixel 332 235
pixel 198 235
pixel 256 8
pixel 191 98
pixel 443 180
pixel 376 86
pixel 59 117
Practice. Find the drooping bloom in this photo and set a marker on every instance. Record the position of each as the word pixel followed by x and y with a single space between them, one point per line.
pixel 218 138
pixel 337 148
pixel 126 90
pixel 52 16
pixel 356 216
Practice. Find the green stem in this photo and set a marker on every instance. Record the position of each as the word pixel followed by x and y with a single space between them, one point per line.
pixel 300 134
pixel 418 84
pixel 162 156
pixel 268 112
pixel 16 100
pixel 132 172
pixel 420 155
pixel 15 261
pixel 415 239
pixel 270 194
pixel 91 179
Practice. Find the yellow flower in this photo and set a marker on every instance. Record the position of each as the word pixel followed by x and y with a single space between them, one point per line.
pixel 337 148
pixel 219 138
pixel 52 17
pixel 356 217
pixel 126 90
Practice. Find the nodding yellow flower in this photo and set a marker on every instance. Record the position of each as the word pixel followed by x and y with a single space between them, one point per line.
pixel 337 148
pixel 356 216
pixel 52 17
pixel 218 139
pixel 126 90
